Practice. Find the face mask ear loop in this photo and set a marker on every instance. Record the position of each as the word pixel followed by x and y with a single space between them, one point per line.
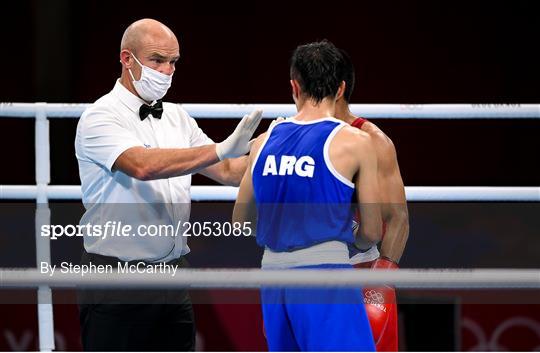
pixel 138 62
pixel 132 77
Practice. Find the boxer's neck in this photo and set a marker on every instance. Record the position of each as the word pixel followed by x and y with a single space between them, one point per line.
pixel 310 110
pixel 343 112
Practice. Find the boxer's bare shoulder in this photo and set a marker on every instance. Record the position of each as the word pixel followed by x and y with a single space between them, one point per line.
pixel 384 146
pixel 353 140
pixel 380 139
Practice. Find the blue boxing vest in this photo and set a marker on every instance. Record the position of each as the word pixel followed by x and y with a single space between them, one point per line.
pixel 301 199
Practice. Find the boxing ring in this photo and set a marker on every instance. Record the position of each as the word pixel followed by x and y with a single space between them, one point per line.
pixel 42 192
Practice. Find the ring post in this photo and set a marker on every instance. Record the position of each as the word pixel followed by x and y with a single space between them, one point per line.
pixel 43 216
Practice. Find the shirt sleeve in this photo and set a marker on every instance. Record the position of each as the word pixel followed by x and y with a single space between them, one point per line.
pixel 197 137
pixel 102 138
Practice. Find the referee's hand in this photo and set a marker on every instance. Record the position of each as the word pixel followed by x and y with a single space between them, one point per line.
pixel 237 144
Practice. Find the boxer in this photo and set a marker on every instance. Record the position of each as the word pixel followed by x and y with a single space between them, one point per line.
pixel 380 301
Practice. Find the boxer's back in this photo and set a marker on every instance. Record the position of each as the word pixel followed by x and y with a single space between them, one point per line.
pixel 301 199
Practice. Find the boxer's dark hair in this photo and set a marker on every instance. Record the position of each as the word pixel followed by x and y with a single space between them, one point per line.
pixel 348 75
pixel 319 69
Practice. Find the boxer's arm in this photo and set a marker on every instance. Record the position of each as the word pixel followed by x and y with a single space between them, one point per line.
pixel 368 194
pixel 227 172
pixel 245 209
pixel 394 204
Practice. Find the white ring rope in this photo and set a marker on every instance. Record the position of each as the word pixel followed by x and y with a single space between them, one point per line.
pixel 255 278
pixel 217 111
pixel 228 193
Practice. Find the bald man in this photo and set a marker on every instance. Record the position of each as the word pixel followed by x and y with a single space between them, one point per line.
pixel 136 155
pixel 382 313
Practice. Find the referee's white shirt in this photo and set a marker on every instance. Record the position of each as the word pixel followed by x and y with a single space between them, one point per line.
pixel 109 127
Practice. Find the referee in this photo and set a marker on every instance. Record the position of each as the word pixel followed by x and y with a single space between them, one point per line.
pixel 136 155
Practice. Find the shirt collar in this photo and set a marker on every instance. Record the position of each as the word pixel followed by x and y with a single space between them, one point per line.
pixel 126 97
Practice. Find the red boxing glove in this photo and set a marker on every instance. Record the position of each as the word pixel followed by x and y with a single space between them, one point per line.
pixel 384 263
pixel 381 309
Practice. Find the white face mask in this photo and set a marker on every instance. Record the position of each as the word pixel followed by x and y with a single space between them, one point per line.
pixel 152 85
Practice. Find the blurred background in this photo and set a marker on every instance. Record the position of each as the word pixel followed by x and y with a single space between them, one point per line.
pixel 408 52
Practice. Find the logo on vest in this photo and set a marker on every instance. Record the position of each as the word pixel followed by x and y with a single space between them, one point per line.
pixel 303 166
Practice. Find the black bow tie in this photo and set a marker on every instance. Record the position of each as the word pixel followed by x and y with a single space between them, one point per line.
pixel 156 110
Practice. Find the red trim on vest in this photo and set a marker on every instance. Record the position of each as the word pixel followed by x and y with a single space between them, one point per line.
pixel 358 122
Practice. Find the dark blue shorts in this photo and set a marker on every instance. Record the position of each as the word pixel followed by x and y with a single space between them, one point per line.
pixel 316 319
